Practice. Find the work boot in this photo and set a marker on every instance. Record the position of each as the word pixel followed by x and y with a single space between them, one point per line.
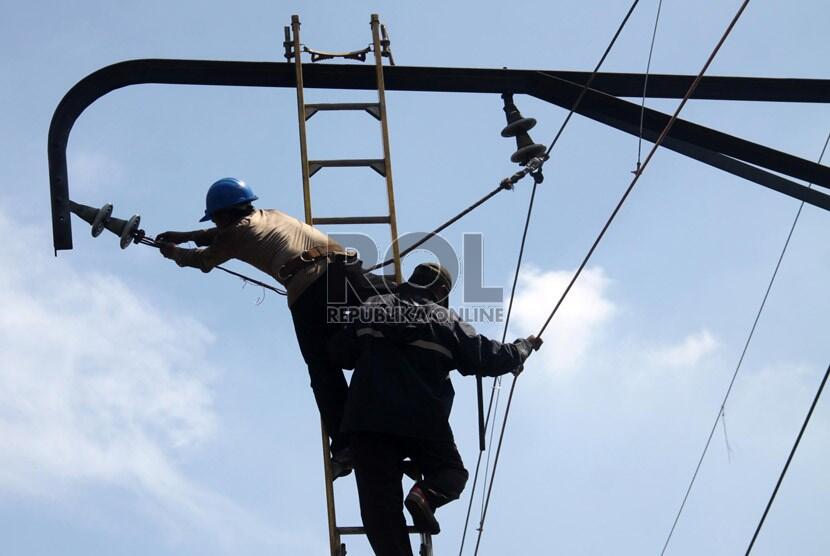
pixel 342 463
pixel 423 516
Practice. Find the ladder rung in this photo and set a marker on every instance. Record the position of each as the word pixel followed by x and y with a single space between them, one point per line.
pixel 352 220
pixel 373 108
pixel 362 531
pixel 376 164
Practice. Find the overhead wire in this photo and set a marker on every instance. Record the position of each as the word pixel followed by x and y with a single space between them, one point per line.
pixel 495 385
pixel 497 381
pixel 789 460
pixel 427 236
pixel 149 241
pixel 508 183
pixel 650 155
pixel 721 409
pixel 645 84
pixel 611 218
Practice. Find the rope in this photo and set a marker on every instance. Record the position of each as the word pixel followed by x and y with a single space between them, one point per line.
pixel 645 84
pixel 634 181
pixel 721 415
pixel 247 279
pixel 789 460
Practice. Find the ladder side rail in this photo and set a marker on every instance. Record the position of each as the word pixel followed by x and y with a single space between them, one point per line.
pixel 331 515
pixel 298 66
pixel 390 193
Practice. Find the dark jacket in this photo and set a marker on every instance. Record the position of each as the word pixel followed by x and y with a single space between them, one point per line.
pixel 402 348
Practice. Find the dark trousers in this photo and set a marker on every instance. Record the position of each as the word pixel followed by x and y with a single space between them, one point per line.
pixel 378 465
pixel 341 286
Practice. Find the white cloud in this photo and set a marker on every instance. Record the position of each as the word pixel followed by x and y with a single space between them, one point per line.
pixel 99 388
pixel 689 352
pixel 577 322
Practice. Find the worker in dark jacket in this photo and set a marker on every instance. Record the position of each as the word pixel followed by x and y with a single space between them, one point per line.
pixel 315 270
pixel 402 347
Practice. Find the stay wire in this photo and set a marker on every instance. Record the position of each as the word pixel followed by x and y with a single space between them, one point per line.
pixel 789 460
pixel 496 381
pixel 634 181
pixel 645 83
pixel 442 227
pixel 153 243
pixel 495 463
pixel 504 337
pixel 496 389
pixel 721 409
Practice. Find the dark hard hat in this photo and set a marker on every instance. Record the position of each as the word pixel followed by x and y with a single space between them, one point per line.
pixel 431 275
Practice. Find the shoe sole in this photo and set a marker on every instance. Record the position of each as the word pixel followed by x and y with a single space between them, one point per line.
pixel 423 520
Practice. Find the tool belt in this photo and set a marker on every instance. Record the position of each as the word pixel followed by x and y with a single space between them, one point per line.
pixel 312 256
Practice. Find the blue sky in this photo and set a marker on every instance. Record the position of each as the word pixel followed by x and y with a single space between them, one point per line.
pixel 150 409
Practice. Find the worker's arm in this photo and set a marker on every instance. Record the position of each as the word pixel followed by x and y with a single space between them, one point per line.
pixel 220 249
pixel 202 238
pixel 476 354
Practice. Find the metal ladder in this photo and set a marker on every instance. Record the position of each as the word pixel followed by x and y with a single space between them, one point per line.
pixel 383 166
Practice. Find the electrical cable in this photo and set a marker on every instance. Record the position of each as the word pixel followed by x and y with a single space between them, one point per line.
pixel 789 460
pixel 722 407
pixel 504 335
pixel 495 390
pixel 650 155
pixel 645 84
pixel 616 210
pixel 442 227
pixel 152 243
pixel 509 182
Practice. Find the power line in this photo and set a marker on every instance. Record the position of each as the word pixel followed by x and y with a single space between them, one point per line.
pixel 645 83
pixel 592 76
pixel 508 183
pixel 720 413
pixel 150 242
pixel 616 210
pixel 639 173
pixel 505 184
pixel 789 460
pixel 504 335
pixel 495 390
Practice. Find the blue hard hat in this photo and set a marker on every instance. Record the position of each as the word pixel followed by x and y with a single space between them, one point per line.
pixel 224 194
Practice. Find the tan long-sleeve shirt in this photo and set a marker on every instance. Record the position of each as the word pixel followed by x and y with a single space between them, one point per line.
pixel 265 239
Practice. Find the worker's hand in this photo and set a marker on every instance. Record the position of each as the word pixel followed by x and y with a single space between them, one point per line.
pixel 167 249
pixel 173 237
pixel 534 342
pixel 518 370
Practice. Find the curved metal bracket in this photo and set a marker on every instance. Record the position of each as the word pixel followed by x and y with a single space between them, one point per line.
pixel 460 80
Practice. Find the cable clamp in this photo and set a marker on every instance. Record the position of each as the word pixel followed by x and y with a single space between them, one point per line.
pixel 533 167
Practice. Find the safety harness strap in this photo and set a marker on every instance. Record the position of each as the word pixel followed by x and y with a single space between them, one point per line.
pixel 310 256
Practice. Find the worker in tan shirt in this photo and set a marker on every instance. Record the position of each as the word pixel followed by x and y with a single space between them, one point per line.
pixel 316 272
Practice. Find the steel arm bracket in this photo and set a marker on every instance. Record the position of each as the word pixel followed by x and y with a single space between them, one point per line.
pixel 746 159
